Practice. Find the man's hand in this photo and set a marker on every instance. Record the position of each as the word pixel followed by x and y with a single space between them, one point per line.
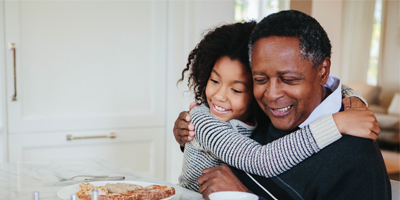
pixel 183 129
pixel 219 178
pixel 353 102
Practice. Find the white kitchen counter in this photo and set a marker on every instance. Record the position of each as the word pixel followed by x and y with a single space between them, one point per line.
pixel 18 181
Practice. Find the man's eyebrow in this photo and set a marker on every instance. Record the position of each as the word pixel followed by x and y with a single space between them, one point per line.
pixel 258 73
pixel 280 73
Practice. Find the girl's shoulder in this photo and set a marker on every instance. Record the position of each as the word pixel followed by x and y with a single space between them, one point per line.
pixel 200 109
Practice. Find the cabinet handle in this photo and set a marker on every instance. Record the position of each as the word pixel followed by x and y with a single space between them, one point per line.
pixel 12 47
pixel 112 136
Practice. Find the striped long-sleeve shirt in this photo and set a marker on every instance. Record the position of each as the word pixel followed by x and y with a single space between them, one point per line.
pixel 218 142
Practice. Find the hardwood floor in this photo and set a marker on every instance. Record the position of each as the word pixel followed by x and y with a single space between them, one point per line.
pixel 392 162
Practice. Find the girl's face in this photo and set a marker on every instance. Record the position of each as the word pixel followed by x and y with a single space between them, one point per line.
pixel 229 90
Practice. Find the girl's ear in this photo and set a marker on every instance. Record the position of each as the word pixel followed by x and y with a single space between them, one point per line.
pixel 324 71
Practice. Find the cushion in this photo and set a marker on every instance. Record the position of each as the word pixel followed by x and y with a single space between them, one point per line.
pixel 369 92
pixel 394 107
pixel 388 121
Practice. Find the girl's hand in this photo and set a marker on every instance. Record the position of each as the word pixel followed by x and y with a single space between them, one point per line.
pixel 353 102
pixel 358 122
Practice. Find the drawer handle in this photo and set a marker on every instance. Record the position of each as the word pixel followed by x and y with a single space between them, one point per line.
pixel 112 136
pixel 12 47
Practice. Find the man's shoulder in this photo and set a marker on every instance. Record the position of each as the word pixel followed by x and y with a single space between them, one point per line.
pixel 350 145
pixel 352 152
pixel 345 165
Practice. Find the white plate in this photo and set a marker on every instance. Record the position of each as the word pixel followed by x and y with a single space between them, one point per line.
pixel 67 192
pixel 232 196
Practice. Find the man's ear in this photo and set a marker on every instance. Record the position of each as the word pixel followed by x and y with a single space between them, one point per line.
pixel 324 70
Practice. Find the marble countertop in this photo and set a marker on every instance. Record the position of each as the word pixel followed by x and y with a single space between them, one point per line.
pixel 18 181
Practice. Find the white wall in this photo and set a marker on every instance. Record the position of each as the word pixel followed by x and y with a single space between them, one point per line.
pixel 187 21
pixel 3 136
pixel 329 15
pixel 389 74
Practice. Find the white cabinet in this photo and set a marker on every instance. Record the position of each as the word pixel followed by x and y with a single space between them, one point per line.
pixel 87 68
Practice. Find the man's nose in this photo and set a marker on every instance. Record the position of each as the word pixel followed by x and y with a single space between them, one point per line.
pixel 273 91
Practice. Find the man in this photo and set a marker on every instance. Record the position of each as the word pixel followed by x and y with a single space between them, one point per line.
pixel 290 54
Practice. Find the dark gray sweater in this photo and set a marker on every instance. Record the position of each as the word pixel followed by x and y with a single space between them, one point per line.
pixel 351 168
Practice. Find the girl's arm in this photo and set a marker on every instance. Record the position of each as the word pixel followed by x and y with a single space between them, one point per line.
pixel 274 158
pixel 269 160
pixel 348 92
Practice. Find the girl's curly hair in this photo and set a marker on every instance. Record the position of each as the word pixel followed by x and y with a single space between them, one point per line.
pixel 228 40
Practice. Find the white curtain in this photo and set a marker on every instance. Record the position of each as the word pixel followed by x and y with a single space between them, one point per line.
pixel 356 40
pixel 389 58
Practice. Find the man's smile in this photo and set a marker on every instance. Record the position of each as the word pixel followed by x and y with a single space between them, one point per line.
pixel 280 112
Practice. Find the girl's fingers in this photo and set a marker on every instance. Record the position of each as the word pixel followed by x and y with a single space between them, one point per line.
pixel 346 103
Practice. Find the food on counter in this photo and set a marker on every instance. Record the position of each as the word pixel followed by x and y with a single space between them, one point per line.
pixel 124 191
pixel 121 187
pixel 85 189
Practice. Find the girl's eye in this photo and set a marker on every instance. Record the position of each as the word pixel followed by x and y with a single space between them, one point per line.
pixel 214 81
pixel 236 91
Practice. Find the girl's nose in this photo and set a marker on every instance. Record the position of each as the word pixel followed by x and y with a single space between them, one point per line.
pixel 220 95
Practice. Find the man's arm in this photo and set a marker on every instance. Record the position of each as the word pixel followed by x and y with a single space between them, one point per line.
pixel 217 179
pixel 183 129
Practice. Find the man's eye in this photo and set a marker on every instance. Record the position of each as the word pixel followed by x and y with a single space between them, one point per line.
pixel 236 91
pixel 260 80
pixel 289 80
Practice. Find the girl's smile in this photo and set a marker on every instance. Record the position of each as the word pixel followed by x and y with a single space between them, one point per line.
pixel 220 110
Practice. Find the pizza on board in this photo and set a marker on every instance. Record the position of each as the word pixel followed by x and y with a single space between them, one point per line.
pixel 124 191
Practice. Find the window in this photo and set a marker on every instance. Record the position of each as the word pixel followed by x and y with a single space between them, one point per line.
pixel 246 10
pixel 372 73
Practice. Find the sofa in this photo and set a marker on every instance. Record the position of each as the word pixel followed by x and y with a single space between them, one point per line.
pixel 388 118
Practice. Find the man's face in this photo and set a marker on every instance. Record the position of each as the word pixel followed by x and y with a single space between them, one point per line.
pixel 286 86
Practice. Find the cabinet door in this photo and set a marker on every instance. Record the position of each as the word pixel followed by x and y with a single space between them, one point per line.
pixel 140 148
pixel 85 66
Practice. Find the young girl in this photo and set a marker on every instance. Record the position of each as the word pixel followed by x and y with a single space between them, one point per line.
pixel 225 118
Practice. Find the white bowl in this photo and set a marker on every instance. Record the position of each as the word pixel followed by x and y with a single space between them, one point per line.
pixel 233 196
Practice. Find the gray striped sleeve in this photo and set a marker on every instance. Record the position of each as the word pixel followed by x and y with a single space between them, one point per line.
pixel 241 152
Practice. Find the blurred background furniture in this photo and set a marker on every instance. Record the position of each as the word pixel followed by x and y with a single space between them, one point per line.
pixel 388 117
pixel 389 123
